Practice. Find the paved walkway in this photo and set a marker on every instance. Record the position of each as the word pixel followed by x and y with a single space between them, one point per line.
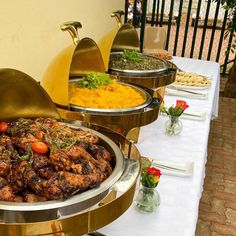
pixel 217 211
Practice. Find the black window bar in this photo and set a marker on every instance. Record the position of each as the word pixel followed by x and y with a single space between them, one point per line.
pixel 228 51
pixel 213 30
pixel 153 12
pixel 157 14
pixel 186 28
pixel 135 13
pixel 162 13
pixel 143 22
pixel 126 11
pixel 195 27
pixel 178 26
pixel 169 23
pixel 157 19
pixel 221 36
pixel 204 29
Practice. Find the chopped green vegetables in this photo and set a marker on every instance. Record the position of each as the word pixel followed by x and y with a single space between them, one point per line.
pixel 28 156
pixel 129 55
pixel 94 80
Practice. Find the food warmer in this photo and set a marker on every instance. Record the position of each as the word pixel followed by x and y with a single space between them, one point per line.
pixel 126 37
pixel 76 61
pixel 81 213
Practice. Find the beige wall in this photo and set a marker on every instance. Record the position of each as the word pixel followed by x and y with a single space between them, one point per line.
pixel 30 35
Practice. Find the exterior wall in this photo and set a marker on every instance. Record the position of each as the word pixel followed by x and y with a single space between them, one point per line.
pixel 30 29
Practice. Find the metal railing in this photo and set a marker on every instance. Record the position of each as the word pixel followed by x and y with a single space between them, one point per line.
pixel 194 28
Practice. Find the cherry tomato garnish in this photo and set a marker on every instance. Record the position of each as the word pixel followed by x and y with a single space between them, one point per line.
pixel 3 126
pixel 118 130
pixel 39 147
pixel 39 135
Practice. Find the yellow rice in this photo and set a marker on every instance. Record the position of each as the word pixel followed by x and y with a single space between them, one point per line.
pixel 113 95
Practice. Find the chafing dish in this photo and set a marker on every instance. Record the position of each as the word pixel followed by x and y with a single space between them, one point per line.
pixel 117 111
pixel 125 37
pixel 152 79
pixel 81 213
pixel 56 83
pixel 41 211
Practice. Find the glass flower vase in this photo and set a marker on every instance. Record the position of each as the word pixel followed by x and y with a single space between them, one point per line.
pixel 173 125
pixel 148 199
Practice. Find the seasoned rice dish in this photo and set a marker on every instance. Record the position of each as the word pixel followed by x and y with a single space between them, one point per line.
pixel 109 96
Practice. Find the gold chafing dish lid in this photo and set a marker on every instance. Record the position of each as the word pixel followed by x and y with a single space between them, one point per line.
pixel 74 61
pixel 22 96
pixel 122 37
pixel 86 56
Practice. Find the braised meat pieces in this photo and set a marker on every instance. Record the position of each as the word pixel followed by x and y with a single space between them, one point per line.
pixel 43 160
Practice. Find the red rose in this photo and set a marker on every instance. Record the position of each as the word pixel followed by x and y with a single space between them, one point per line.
pixel 158 173
pixel 184 107
pixel 154 171
pixel 181 104
pixel 150 177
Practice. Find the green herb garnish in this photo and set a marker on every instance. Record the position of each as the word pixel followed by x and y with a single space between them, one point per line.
pixel 129 55
pixel 28 156
pixel 94 80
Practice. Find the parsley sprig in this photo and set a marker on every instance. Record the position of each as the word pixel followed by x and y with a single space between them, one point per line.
pixel 130 55
pixel 94 80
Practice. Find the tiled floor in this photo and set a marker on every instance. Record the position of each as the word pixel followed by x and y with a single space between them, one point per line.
pixel 217 211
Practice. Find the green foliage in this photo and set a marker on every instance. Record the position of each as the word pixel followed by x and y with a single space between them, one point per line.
pixel 174 111
pixel 230 6
pixel 94 80
pixel 227 4
pixel 148 180
pixel 129 55
pixel 145 163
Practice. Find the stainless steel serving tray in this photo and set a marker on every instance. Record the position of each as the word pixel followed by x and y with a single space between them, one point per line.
pixel 12 212
pixel 121 111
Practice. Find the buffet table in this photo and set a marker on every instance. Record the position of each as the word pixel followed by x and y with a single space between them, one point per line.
pixel 180 195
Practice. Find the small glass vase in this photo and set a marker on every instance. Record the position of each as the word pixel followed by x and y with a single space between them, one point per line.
pixel 148 199
pixel 173 125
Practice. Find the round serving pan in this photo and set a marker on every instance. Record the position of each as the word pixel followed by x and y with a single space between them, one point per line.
pixel 119 111
pixel 159 77
pixel 12 212
pixel 163 66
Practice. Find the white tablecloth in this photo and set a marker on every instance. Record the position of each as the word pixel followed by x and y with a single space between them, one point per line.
pixel 178 212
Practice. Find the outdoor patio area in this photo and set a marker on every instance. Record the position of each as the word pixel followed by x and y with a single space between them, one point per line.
pixel 217 211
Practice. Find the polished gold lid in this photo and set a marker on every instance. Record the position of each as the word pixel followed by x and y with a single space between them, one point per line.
pixel 22 96
pixel 124 36
pixel 74 61
pixel 86 56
